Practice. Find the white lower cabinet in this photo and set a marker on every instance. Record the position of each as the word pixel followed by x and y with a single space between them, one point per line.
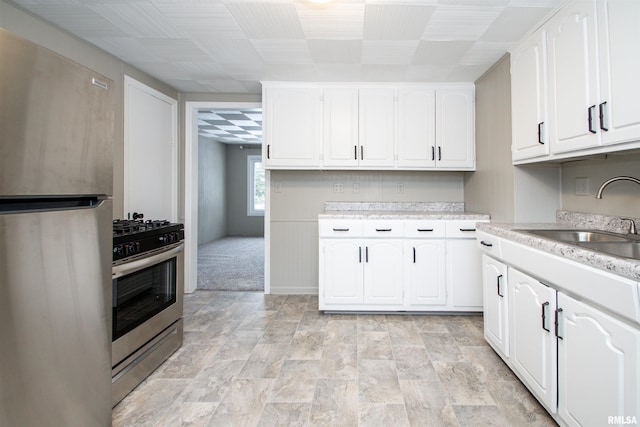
pixel 425 280
pixel 581 363
pixel 399 265
pixel 532 339
pixel 598 358
pixel 495 290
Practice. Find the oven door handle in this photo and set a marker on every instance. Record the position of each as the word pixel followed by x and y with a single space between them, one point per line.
pixel 139 264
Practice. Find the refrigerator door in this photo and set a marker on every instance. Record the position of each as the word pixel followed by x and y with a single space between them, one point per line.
pixel 56 123
pixel 55 317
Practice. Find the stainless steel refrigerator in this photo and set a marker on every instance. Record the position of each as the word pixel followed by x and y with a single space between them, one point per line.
pixel 56 154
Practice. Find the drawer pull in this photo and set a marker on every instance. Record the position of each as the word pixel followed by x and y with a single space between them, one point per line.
pixel 467 229
pixel 340 229
pixel 425 229
pixel 483 243
pixel 383 229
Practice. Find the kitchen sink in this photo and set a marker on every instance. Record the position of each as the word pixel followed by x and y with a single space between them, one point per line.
pixel 600 241
pixel 574 236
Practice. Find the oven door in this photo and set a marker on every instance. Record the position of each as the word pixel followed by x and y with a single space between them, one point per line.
pixel 147 298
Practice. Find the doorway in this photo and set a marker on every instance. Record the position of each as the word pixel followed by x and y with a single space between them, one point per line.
pixel 224 235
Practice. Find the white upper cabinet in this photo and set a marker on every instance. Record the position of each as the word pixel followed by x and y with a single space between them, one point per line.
pixel 592 64
pixel 417 128
pixel 573 77
pixel 369 126
pixel 529 98
pixel 619 41
pixel 293 126
pixel 340 139
pixel 455 129
pixel 376 127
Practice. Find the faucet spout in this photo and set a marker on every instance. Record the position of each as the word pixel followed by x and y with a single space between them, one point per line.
pixel 614 179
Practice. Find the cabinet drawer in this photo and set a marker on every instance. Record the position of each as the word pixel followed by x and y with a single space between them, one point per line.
pixel 424 228
pixel 489 244
pixel 462 229
pixel 382 228
pixel 340 228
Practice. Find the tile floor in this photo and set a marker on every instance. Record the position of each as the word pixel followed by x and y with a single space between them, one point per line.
pixel 251 359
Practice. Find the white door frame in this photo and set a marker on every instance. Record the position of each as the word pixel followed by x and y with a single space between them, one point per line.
pixel 191 192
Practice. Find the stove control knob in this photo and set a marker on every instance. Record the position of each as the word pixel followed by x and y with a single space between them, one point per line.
pixel 118 250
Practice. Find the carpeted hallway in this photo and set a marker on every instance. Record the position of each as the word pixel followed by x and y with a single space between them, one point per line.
pixel 232 264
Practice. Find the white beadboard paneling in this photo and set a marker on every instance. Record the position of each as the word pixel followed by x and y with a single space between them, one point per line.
pixel 484 53
pixel 399 52
pixel 174 50
pixel 229 51
pixel 139 19
pixel 267 20
pixel 335 51
pixel 442 52
pixel 460 22
pixel 339 22
pixel 202 20
pixel 513 23
pixel 283 51
pixel 294 257
pixel 395 21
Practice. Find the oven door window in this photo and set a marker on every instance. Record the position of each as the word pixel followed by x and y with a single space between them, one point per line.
pixel 141 295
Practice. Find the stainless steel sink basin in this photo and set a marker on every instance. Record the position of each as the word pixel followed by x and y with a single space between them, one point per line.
pixel 629 249
pixel 573 236
pixel 595 240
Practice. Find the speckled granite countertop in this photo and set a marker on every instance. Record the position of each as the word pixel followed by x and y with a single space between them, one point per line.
pixel 624 267
pixel 399 210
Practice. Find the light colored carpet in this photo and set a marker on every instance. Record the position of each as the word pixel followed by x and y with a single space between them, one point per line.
pixel 232 264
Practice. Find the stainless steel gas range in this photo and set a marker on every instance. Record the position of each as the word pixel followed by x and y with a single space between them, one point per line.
pixel 147 278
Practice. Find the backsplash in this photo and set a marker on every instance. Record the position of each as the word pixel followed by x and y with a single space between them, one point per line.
pixel 614 224
pixel 395 206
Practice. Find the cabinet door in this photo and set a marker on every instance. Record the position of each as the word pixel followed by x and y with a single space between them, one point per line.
pixel 464 274
pixel 340 127
pixel 383 272
pixel 376 127
pixel 416 128
pixel 531 336
pixel 496 327
pixel 619 38
pixel 529 98
pixel 292 126
pixel 597 365
pixel 341 267
pixel 455 130
pixel 573 78
pixel 425 272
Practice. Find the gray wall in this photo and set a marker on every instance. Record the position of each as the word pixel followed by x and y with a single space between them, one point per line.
pixel 238 222
pixel 45 34
pixel 300 198
pixel 619 199
pixel 212 181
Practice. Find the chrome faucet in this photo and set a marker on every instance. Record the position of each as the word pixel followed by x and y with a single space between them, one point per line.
pixel 614 179
pixel 632 226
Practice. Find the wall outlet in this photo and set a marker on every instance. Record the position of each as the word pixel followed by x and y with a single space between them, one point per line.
pixel 582 186
pixel 400 188
pixel 356 187
pixel 338 188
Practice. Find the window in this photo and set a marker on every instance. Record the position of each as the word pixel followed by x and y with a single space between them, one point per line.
pixel 255 186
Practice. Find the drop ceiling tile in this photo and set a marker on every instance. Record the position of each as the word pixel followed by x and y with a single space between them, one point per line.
pixel 138 19
pixel 548 4
pixel 460 22
pixel 513 23
pixel 482 3
pixel 485 53
pixel 176 50
pixel 283 51
pixel 335 51
pixel 441 52
pixel 339 72
pixel 399 52
pixel 223 86
pixel 395 21
pixel 212 20
pixel 339 21
pixel 383 73
pixel 229 51
pixel 296 72
pixel 431 73
pixel 246 71
pixel 267 20
pixel 127 49
pixel 202 70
